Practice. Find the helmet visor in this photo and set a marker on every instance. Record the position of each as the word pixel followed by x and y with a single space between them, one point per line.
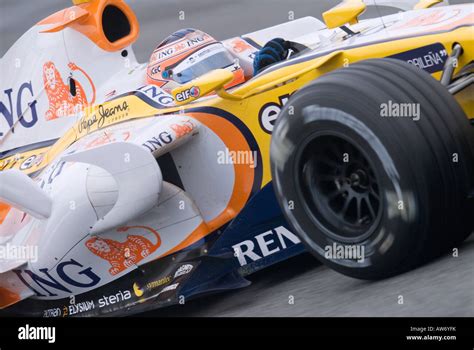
pixel 202 62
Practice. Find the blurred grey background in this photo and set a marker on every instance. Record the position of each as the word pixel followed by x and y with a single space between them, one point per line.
pixel 444 287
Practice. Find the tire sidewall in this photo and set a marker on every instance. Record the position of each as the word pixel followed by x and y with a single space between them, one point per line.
pixel 393 232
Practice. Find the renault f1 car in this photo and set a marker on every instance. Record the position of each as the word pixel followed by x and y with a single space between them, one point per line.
pixel 119 196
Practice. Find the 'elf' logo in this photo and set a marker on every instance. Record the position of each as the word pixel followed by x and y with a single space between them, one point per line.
pixel 185 95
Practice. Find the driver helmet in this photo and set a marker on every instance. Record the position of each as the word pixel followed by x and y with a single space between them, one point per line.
pixel 186 55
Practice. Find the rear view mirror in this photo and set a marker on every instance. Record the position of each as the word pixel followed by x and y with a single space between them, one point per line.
pixel 215 80
pixel 345 12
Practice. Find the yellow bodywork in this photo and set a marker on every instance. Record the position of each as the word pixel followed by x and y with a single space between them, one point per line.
pixel 348 11
pixel 345 12
pixel 424 4
pixel 212 81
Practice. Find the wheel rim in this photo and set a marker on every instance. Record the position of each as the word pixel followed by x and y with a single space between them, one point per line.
pixel 340 188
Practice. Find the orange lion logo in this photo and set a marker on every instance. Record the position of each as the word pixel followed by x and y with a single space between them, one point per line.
pixel 61 102
pixel 239 46
pixel 182 129
pixel 122 255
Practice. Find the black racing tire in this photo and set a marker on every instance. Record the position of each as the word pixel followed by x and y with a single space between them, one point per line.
pixel 349 180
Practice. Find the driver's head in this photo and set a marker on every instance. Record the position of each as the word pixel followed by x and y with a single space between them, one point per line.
pixel 186 55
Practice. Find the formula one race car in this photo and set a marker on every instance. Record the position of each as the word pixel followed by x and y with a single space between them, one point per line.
pixel 130 186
